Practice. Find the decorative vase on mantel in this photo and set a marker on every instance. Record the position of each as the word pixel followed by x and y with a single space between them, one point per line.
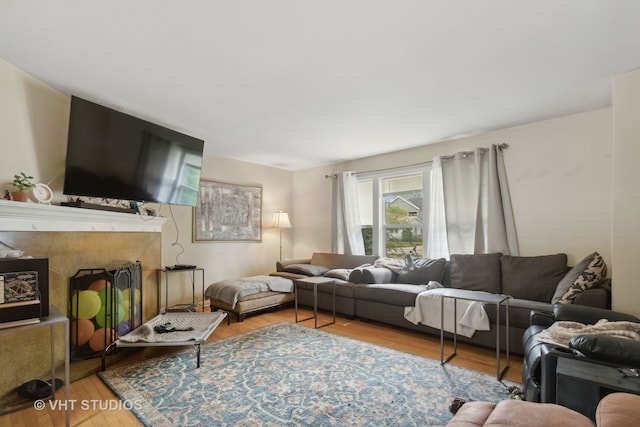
pixel 20 196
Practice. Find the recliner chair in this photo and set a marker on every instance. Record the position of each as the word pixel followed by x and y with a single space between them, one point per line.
pixel 540 359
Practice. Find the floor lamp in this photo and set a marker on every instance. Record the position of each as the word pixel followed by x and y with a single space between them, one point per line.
pixel 280 221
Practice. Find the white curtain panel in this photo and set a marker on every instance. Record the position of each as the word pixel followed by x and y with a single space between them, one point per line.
pixel 345 223
pixel 437 246
pixel 470 205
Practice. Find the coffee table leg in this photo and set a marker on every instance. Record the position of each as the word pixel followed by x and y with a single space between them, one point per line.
pixel 500 372
pixel 315 305
pixel 295 300
pixel 295 304
pixel 455 329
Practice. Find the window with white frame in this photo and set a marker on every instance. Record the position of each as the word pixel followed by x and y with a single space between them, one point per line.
pixel 394 211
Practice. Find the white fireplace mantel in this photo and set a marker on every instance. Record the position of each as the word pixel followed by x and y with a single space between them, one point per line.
pixel 20 216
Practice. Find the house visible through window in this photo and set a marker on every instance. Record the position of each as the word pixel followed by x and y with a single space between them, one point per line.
pixel 393 211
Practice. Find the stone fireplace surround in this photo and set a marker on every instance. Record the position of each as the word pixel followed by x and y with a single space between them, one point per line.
pixel 72 239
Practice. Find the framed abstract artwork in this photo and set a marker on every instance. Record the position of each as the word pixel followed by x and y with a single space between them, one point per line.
pixel 227 212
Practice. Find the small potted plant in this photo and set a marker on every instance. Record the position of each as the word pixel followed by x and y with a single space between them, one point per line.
pixel 23 184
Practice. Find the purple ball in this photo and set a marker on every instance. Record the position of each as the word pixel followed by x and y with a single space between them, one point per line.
pixel 124 328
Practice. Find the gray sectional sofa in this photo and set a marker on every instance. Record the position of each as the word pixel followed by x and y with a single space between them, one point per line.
pixel 379 289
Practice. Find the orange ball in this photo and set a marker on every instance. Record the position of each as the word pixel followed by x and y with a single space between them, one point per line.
pixel 101 339
pixel 98 284
pixel 81 331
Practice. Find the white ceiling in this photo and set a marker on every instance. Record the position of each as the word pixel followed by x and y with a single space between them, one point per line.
pixel 300 83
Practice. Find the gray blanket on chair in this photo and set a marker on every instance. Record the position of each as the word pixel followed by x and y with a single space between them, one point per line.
pixel 229 291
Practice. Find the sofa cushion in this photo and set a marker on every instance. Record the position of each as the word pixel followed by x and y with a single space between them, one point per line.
pixel 306 269
pixel 420 271
pixel 585 275
pixel 533 278
pixel 511 412
pixel 618 409
pixel 480 272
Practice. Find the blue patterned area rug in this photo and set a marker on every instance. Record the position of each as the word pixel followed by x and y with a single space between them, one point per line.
pixel 292 375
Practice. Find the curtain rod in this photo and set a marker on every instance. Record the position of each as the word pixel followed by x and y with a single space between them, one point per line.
pixel 501 147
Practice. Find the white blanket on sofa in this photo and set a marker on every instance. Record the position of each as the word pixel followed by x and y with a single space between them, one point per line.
pixel 471 316
pixel 231 290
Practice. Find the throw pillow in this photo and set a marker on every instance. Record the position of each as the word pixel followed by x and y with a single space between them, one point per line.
pixel 532 278
pixel 479 272
pixel 570 277
pixel 338 273
pixel 586 278
pixel 355 276
pixel 420 271
pixel 306 269
pixel 378 275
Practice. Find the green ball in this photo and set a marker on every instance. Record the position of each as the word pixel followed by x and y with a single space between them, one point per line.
pixel 106 293
pixel 104 318
pixel 86 304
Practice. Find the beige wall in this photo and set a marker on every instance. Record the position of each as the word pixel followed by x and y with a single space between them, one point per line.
pixel 559 175
pixel 626 192
pixel 33 128
pixel 227 260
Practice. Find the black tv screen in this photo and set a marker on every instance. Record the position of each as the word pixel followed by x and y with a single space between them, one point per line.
pixel 117 156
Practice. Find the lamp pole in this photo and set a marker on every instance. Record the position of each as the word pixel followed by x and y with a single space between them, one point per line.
pixel 280 221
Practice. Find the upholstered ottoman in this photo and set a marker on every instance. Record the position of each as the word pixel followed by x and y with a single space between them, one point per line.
pixel 249 294
pixel 517 413
pixel 614 410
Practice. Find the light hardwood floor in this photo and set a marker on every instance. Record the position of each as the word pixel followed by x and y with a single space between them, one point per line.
pixel 90 393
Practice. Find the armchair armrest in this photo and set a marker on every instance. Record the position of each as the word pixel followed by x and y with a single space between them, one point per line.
pixel 542 318
pixel 589 315
pixel 609 349
pixel 548 366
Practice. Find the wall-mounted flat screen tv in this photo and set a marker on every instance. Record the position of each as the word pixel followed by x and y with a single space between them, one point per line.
pixel 118 156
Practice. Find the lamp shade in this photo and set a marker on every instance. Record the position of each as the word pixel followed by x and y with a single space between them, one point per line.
pixel 281 220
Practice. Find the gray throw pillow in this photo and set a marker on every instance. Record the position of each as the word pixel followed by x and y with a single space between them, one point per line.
pixel 378 275
pixel 479 272
pixel 585 275
pixel 355 276
pixel 338 273
pixel 420 271
pixel 306 269
pixel 532 278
